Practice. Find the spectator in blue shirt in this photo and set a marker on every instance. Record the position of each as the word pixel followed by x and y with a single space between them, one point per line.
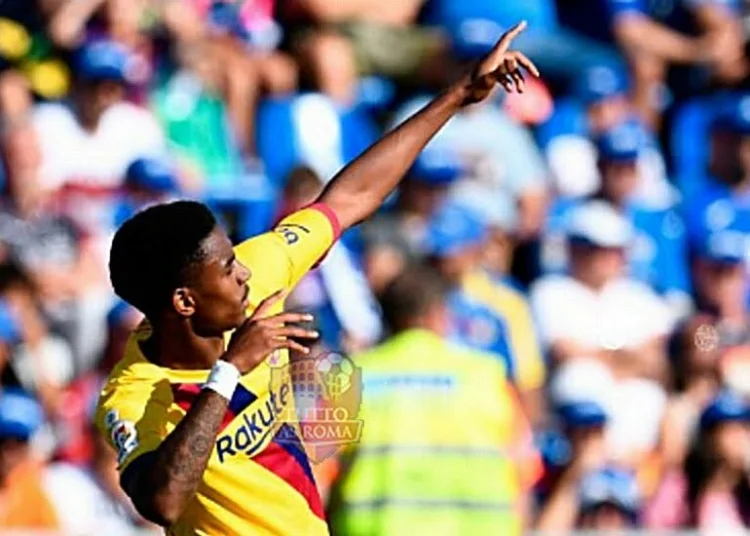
pixel 655 34
pixel 724 199
pixel 454 241
pixel 598 103
pixel 393 239
pixel 658 255
pixel 713 346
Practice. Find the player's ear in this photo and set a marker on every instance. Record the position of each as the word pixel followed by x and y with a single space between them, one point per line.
pixel 183 301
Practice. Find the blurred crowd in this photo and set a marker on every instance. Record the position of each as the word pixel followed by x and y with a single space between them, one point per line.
pixel 591 236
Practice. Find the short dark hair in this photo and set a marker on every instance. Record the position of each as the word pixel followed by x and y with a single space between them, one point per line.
pixel 152 252
pixel 412 294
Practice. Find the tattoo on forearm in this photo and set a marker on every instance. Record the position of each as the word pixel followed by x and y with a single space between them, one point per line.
pixel 182 458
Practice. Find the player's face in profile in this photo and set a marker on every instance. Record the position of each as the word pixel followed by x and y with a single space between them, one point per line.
pixel 219 287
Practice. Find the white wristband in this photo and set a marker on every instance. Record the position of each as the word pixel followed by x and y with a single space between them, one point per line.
pixel 223 379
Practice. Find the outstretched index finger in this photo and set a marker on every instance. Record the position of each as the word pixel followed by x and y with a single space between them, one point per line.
pixel 495 58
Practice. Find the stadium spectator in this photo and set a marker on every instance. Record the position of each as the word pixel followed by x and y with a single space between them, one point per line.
pixel 596 311
pixel 453 244
pixel 395 238
pixel 488 314
pixel 88 143
pixel 720 199
pixel 721 286
pixel 61 260
pixel 608 501
pixel 710 349
pixel 463 421
pixel 717 486
pixel 147 181
pixel 598 103
pixel 499 156
pixel 500 245
pixel 560 53
pixel 581 397
pixel 713 493
pixel 25 504
pixel 41 362
pixel 338 42
pixel 652 36
pixel 658 251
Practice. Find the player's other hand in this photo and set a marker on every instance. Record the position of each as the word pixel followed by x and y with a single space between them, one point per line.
pixel 261 334
pixel 501 66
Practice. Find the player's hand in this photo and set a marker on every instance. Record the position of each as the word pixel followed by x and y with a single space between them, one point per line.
pixel 262 334
pixel 501 66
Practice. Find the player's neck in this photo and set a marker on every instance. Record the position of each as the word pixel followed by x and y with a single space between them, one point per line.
pixel 177 347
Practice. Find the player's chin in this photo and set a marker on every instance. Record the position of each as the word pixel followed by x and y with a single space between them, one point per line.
pixel 239 317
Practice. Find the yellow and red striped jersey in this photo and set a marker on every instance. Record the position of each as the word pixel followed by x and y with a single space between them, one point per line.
pixel 258 480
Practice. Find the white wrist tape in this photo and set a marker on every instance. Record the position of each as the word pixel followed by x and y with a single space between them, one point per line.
pixel 223 379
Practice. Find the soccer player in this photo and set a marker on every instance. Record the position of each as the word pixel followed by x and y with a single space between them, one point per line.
pixel 194 414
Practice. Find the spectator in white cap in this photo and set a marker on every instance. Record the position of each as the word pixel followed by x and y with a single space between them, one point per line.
pixel 595 310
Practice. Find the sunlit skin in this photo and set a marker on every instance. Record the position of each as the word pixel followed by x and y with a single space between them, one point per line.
pixel 217 298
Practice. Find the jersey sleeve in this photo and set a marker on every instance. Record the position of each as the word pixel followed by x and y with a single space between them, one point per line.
pixel 133 418
pixel 280 258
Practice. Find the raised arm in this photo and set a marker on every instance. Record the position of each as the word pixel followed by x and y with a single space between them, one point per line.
pixel 362 186
pixel 162 482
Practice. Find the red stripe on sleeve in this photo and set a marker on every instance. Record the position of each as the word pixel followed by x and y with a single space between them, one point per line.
pixel 331 216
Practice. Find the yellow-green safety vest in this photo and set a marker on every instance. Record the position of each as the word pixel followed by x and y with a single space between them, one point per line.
pixel 434 453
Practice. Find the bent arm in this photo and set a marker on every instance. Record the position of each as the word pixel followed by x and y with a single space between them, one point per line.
pixel 360 188
pixel 162 482
pixel 638 33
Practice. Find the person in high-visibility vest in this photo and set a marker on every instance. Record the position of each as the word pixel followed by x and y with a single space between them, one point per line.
pixel 445 448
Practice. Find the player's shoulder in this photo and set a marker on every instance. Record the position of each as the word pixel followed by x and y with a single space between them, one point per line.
pixel 134 383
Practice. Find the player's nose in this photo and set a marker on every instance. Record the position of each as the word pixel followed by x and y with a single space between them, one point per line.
pixel 243 273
